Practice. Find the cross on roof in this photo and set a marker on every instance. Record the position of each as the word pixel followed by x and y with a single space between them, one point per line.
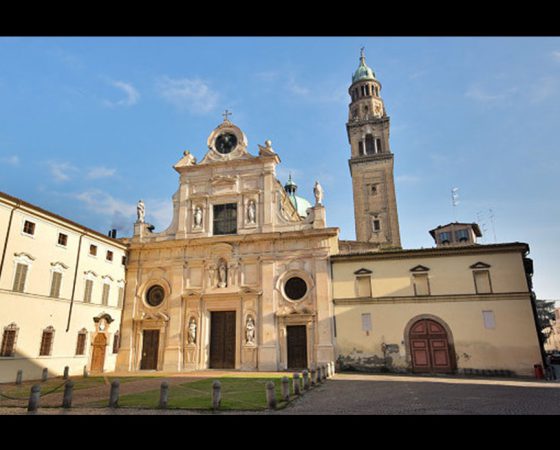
pixel 226 114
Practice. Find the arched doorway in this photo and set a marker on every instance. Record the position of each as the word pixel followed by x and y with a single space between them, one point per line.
pixel 98 354
pixel 430 349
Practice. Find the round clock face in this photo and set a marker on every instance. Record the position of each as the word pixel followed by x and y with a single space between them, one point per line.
pixel 225 143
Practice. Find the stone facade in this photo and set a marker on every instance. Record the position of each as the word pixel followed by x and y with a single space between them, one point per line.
pixel 244 271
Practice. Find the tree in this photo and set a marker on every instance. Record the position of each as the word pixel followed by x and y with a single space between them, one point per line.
pixel 545 317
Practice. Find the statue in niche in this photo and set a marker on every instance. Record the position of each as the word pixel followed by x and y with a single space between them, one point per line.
pixel 140 211
pixel 222 274
pixel 198 217
pixel 318 192
pixel 250 330
pixel 251 211
pixel 191 337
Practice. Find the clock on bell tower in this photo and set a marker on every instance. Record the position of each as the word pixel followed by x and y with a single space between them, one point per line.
pixel 371 161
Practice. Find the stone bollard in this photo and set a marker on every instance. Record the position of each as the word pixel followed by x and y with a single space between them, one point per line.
pixel 67 398
pixel 34 397
pixel 286 389
pixel 45 375
pixel 297 384
pixel 313 377
pixel 86 374
pixel 270 395
pixel 114 395
pixel 319 375
pixel 216 394
pixel 19 376
pixel 163 395
pixel 305 376
pixel 66 372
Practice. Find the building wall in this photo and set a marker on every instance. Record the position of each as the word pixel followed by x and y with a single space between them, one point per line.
pixel 512 345
pixel 34 310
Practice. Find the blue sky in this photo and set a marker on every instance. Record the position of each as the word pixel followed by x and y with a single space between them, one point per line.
pixel 90 125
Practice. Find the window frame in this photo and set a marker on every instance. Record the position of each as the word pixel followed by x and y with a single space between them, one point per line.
pixel 11 328
pixel 231 220
pixel 81 345
pixel 34 228
pixel 47 331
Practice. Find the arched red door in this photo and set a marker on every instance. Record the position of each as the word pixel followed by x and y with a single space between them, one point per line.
pixel 429 348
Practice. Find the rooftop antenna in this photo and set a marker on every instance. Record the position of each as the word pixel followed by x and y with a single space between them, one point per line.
pixel 480 219
pixel 492 222
pixel 455 201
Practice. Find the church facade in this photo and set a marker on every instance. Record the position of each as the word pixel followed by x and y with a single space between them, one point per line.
pixel 248 275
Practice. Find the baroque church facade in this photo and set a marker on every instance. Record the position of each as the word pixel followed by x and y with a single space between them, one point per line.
pixel 249 276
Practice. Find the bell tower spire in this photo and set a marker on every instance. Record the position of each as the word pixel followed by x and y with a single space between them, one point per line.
pixel 371 161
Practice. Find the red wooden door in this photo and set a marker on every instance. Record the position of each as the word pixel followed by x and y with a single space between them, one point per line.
pixel 98 355
pixel 429 348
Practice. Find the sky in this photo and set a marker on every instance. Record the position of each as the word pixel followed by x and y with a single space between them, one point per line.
pixel 88 126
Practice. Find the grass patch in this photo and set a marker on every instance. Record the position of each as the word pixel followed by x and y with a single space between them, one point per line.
pixel 238 393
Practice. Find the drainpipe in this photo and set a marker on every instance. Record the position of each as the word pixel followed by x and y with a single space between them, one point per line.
pixel 74 283
pixel 7 236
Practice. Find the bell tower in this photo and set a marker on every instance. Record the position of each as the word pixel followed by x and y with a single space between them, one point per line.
pixel 371 161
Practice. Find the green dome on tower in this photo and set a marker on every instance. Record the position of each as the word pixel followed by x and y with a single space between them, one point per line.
pixel 363 72
pixel 299 203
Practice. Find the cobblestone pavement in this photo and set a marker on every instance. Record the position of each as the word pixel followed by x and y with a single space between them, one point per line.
pixel 378 394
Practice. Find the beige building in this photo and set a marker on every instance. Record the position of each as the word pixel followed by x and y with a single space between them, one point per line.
pixel 61 292
pixel 240 279
pixel 553 341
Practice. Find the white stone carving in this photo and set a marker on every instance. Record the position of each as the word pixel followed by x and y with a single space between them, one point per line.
pixel 140 211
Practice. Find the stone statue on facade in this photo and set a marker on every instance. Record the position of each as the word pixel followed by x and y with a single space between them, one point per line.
pixel 250 330
pixel 222 274
pixel 140 211
pixel 318 192
pixel 251 211
pixel 191 337
pixel 198 217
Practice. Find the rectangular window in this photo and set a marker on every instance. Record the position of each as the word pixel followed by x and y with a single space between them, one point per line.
pixel 93 250
pixel 87 291
pixel 225 219
pixel 482 282
pixel 363 286
pixel 8 343
pixel 116 342
pixel 55 284
pixel 19 279
pixel 489 320
pixel 376 225
pixel 62 239
pixel 462 235
pixel 123 260
pixel 81 344
pixel 105 295
pixel 121 297
pixel 445 237
pixel 46 343
pixel 109 256
pixel 366 322
pixel 421 284
pixel 29 227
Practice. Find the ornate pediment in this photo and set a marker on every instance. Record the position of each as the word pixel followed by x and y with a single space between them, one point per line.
pixel 363 271
pixel 419 268
pixel 480 265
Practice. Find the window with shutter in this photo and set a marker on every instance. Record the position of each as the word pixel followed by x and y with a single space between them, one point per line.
pixel 81 344
pixel 9 340
pixel 87 291
pixel 55 284
pixel 482 282
pixel 116 342
pixel 121 297
pixel 46 342
pixel 19 279
pixel 105 295
pixel 421 284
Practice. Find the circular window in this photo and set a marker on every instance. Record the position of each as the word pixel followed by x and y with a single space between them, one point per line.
pixel 295 288
pixel 155 295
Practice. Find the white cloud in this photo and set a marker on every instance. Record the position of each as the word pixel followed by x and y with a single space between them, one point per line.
pixel 61 171
pixel 10 160
pixel 296 88
pixel 160 213
pixel 103 203
pixel 100 172
pixel 482 95
pixel 131 94
pixel 282 173
pixel 194 95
